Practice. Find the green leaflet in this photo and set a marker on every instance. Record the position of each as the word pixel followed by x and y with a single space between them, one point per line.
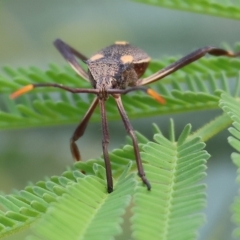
pixel 25 207
pixel 50 106
pixel 231 107
pixel 171 209
pixel 86 211
pixel 76 206
pixel 228 9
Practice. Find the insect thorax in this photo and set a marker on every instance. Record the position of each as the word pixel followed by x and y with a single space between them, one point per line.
pixel 117 66
pixel 109 74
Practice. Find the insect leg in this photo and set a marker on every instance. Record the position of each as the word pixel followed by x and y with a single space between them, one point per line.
pixel 105 142
pixel 69 54
pixel 185 61
pixel 81 129
pixel 30 87
pixel 130 131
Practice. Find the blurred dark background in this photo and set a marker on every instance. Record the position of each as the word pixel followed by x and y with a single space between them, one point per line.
pixel 27 30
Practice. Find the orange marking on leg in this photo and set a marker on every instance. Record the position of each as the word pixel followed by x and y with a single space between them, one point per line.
pixel 156 96
pixel 21 91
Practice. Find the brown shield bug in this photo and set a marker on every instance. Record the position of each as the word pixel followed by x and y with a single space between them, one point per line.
pixel 113 71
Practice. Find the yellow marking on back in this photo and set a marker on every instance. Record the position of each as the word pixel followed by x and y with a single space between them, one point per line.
pixel 96 57
pixel 126 59
pixel 121 43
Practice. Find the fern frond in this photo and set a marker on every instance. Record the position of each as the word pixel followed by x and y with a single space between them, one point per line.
pixel 232 107
pixel 171 209
pixel 86 211
pixel 50 106
pixel 75 204
pixel 25 207
pixel 227 9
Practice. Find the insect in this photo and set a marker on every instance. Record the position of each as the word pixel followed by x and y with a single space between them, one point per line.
pixel 114 71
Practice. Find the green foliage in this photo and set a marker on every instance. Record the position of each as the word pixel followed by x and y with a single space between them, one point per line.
pixel 89 207
pixel 50 106
pixel 171 209
pixel 231 107
pixel 228 9
pixel 76 205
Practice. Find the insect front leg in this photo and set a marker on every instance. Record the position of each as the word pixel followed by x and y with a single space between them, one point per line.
pixel 69 54
pixel 80 130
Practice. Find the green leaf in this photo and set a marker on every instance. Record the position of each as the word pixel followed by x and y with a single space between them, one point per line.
pixel 231 107
pixel 171 209
pixel 76 205
pixel 91 211
pixel 228 9
pixel 51 106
